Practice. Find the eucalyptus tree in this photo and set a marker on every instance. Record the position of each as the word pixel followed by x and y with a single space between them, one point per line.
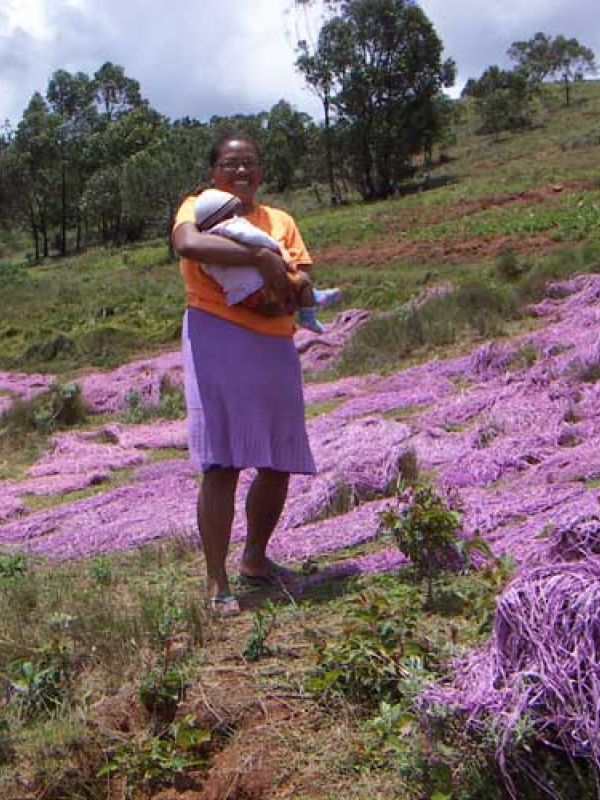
pixel 380 62
pixel 33 168
pixel 115 93
pixel 543 57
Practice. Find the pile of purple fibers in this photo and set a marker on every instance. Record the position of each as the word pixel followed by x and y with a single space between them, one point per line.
pixel 541 669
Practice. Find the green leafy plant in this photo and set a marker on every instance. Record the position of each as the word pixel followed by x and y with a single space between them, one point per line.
pixel 40 687
pixel 161 691
pixel 99 569
pixel 425 530
pixel 369 661
pixel 263 624
pixel 171 404
pixel 12 565
pixel 153 760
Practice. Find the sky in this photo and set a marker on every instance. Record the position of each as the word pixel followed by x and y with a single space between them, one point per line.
pixel 205 57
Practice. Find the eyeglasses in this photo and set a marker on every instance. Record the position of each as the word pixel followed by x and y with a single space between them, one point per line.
pixel 233 166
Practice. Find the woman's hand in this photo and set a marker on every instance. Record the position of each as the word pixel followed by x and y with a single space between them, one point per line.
pixel 274 272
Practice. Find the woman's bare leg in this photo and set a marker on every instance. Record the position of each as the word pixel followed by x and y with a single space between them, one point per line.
pixel 264 505
pixel 215 518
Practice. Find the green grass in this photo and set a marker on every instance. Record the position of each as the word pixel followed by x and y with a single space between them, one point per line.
pixel 316 409
pixel 38 502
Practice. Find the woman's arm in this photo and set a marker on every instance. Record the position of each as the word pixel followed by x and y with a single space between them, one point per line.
pixel 207 249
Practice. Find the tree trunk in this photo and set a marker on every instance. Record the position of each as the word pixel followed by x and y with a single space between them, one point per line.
pixel 63 212
pixel 567 88
pixel 34 234
pixel 334 199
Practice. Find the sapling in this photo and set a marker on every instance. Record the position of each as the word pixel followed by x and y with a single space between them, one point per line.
pixel 425 530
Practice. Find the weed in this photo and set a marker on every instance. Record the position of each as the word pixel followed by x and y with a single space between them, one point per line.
pixel 60 407
pixel 523 358
pixel 408 467
pixel 41 686
pixel 486 433
pixel 99 569
pixel 6 743
pixel 12 566
pixel 263 624
pixel 171 404
pixel 386 338
pixel 589 373
pixel 510 266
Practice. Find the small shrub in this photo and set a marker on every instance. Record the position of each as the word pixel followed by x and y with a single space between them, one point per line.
pixel 263 624
pixel 369 662
pixel 161 691
pixel 12 566
pixel 425 530
pixel 150 761
pixel 40 687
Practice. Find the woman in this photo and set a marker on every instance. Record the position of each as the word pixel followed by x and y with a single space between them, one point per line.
pixel 243 379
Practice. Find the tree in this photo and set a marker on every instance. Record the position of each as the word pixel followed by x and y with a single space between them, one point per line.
pixel 155 179
pixel 318 75
pixel 114 91
pixel 543 57
pixel 381 61
pixel 504 99
pixel 72 97
pixel 34 169
pixel 286 143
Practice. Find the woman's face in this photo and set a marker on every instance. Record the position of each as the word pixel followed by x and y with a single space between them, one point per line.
pixel 238 170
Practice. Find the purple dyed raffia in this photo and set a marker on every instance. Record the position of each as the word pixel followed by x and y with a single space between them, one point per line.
pixel 543 663
pixel 520 445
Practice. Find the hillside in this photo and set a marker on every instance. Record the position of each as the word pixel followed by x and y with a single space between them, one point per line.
pixel 466 361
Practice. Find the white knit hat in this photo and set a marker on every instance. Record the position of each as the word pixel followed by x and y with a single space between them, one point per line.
pixel 213 206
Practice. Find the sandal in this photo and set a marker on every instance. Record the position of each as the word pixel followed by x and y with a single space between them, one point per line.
pixel 224 605
pixel 275 576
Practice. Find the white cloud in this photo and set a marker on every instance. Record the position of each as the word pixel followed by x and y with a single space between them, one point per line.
pixel 212 57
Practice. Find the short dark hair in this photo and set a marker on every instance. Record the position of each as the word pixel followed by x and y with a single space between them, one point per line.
pixel 231 136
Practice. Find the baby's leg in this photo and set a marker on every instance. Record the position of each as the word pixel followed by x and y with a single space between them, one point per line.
pixel 303 289
pixel 307 308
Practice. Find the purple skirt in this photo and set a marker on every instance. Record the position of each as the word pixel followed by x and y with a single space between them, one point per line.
pixel 244 398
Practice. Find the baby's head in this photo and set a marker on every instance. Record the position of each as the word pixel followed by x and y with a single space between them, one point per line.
pixel 213 206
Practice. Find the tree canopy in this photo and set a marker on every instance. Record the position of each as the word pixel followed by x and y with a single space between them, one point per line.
pixel 378 65
pixel 543 58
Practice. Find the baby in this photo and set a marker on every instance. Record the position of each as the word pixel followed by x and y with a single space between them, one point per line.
pixel 215 213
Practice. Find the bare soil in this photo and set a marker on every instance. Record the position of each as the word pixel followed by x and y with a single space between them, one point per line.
pixel 393 247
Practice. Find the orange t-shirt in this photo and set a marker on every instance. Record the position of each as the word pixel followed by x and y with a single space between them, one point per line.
pixel 203 292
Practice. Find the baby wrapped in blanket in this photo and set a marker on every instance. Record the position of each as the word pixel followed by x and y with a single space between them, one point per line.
pixel 215 213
